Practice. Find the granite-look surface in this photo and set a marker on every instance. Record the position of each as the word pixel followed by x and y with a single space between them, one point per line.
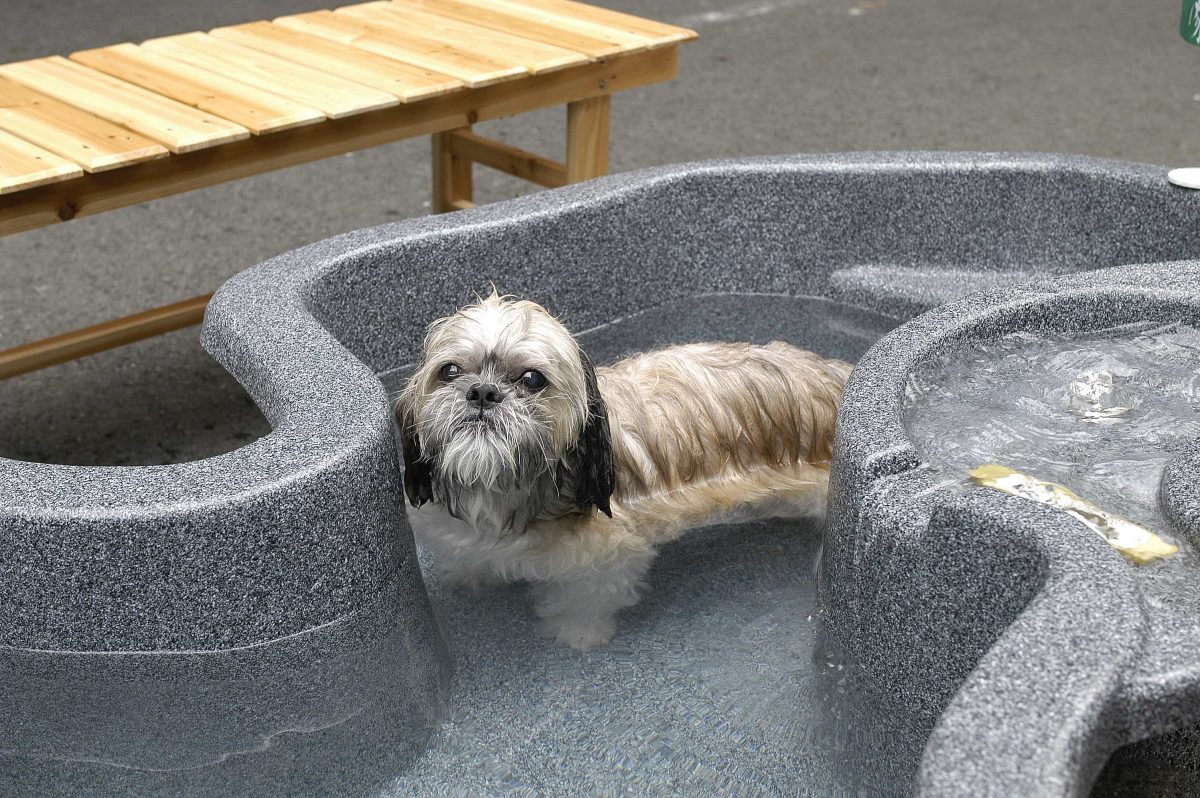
pixel 305 527
pixel 335 710
pixel 1034 644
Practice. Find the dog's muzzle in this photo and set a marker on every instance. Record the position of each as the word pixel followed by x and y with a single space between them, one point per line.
pixel 484 395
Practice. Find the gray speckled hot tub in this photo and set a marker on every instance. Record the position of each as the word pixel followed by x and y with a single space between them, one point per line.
pixel 1036 647
pixel 1021 643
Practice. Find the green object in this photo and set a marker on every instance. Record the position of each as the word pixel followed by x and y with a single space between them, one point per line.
pixel 1189 23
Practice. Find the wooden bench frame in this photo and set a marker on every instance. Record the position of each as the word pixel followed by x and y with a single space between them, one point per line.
pixel 585 90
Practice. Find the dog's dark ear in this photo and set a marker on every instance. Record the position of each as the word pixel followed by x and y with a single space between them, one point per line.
pixel 597 468
pixel 418 473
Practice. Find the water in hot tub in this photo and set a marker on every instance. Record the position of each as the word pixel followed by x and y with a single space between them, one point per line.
pixel 1101 412
pixel 721 682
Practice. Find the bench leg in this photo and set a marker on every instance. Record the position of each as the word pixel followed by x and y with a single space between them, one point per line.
pixel 451 175
pixel 587 138
pixel 454 152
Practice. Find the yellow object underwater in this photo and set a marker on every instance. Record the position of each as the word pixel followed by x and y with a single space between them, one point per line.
pixel 1136 542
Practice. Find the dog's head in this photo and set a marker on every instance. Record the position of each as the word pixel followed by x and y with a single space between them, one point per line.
pixel 504 398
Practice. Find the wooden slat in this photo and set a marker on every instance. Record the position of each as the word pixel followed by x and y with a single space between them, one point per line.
pixel 535 56
pixel 335 97
pixel 178 126
pixel 92 194
pixel 411 47
pixel 627 40
pixel 528 23
pixel 502 157
pixel 407 82
pixel 93 143
pixel 258 110
pixel 660 33
pixel 23 165
pixel 109 335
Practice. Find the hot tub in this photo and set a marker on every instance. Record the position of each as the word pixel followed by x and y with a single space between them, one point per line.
pixel 1032 645
pixel 289 562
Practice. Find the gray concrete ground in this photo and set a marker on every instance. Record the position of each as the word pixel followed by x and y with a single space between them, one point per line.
pixel 1100 77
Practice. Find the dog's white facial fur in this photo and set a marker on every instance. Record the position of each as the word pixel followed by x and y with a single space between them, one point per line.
pixel 500 411
pixel 513 441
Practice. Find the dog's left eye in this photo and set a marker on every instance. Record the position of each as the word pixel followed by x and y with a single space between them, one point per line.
pixel 533 380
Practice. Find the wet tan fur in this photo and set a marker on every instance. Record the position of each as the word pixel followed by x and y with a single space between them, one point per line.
pixel 701 433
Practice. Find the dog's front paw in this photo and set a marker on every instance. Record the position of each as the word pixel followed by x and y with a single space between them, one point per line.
pixel 581 634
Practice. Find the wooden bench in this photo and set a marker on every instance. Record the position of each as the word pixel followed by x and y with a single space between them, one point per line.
pixel 126 124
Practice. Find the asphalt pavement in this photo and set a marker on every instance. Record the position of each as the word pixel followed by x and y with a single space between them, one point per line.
pixel 1108 78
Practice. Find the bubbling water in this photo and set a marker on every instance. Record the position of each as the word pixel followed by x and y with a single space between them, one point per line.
pixel 1101 412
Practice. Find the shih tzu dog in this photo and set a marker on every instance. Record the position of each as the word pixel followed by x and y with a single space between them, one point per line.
pixel 527 463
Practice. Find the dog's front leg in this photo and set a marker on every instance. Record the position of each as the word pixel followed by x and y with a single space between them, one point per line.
pixel 470 578
pixel 579 609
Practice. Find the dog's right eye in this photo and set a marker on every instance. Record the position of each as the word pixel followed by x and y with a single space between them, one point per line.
pixel 450 371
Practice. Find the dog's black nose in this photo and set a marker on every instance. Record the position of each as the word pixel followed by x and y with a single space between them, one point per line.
pixel 484 394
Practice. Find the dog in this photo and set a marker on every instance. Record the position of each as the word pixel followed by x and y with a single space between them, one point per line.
pixel 523 461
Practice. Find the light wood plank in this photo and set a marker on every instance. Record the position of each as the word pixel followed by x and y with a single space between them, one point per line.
pixel 93 143
pixel 98 193
pixel 528 23
pixel 505 158
pixel 180 127
pixel 109 335
pixel 407 82
pixel 411 47
pixel 535 56
pixel 23 165
pixel 255 109
pixel 660 33
pixel 628 41
pixel 335 97
pixel 452 174
pixel 587 138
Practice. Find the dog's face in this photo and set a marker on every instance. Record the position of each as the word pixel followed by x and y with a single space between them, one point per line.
pixel 502 400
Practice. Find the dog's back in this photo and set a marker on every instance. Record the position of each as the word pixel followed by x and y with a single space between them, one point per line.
pixel 718 413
